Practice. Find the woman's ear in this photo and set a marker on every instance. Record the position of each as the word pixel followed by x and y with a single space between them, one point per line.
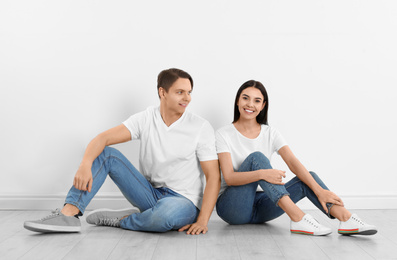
pixel 263 106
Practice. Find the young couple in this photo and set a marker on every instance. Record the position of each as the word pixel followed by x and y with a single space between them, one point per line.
pixel 177 148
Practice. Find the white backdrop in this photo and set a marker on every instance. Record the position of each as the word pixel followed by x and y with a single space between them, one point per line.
pixel 72 69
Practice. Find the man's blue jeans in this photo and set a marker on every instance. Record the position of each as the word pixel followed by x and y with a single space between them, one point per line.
pixel 161 208
pixel 243 205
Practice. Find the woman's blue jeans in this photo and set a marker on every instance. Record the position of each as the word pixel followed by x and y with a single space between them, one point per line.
pixel 161 208
pixel 243 204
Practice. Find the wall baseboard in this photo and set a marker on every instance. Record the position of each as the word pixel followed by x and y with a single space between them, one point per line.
pixel 112 200
pixel 115 200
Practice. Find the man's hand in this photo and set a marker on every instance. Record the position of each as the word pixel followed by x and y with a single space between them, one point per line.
pixel 83 178
pixel 195 228
pixel 213 184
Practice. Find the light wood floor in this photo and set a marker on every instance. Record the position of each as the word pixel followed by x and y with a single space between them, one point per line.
pixel 266 241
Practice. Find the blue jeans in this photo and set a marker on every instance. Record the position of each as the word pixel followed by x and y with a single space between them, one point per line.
pixel 243 205
pixel 161 208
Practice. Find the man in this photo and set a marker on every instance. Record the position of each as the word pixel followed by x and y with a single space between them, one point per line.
pixel 177 147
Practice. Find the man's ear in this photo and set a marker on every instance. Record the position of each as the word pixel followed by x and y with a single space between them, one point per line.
pixel 161 92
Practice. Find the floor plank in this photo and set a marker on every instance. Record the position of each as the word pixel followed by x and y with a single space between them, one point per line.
pixel 52 246
pixel 272 240
pixel 135 245
pixel 97 244
pixel 4 215
pixel 176 245
pixel 13 223
pixel 14 239
pixel 255 242
pixel 218 243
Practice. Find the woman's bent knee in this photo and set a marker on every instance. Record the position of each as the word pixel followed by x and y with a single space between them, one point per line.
pixel 259 155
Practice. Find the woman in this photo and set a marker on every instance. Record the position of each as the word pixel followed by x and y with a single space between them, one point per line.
pixel 253 192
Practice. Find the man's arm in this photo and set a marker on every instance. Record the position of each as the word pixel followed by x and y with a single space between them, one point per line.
pixel 211 191
pixel 115 135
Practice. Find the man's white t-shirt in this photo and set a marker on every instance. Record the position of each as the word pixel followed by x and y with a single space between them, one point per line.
pixel 170 155
pixel 230 140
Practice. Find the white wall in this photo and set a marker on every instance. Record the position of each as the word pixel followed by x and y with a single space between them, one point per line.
pixel 71 69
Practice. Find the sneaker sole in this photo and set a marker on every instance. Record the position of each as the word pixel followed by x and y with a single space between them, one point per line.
pixel 356 232
pixel 43 228
pixel 302 232
pixel 90 220
pixel 309 233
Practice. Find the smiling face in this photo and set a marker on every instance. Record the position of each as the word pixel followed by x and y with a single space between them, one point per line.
pixel 250 103
pixel 177 98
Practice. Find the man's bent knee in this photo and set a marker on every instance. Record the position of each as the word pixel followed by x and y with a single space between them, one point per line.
pixel 110 151
pixel 176 212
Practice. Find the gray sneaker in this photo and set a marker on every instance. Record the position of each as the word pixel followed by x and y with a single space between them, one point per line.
pixel 55 222
pixel 108 217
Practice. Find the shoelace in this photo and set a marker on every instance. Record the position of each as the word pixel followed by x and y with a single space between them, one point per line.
pixel 112 222
pixel 359 221
pixel 53 214
pixel 313 222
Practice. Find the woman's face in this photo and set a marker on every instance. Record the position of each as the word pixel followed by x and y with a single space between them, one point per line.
pixel 250 103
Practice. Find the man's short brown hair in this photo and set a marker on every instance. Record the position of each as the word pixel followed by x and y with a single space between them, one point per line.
pixel 168 77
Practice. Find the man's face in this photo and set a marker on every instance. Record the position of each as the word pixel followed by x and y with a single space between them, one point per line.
pixel 178 96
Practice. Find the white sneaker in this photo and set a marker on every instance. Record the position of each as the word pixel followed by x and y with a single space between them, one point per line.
pixel 355 226
pixel 309 226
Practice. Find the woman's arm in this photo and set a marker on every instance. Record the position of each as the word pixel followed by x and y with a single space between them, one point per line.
pixel 233 178
pixel 115 135
pixel 300 171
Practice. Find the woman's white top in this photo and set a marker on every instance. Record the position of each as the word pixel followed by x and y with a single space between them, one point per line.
pixel 230 140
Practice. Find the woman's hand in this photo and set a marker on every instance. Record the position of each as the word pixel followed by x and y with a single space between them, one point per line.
pixel 325 196
pixel 195 228
pixel 83 178
pixel 273 176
